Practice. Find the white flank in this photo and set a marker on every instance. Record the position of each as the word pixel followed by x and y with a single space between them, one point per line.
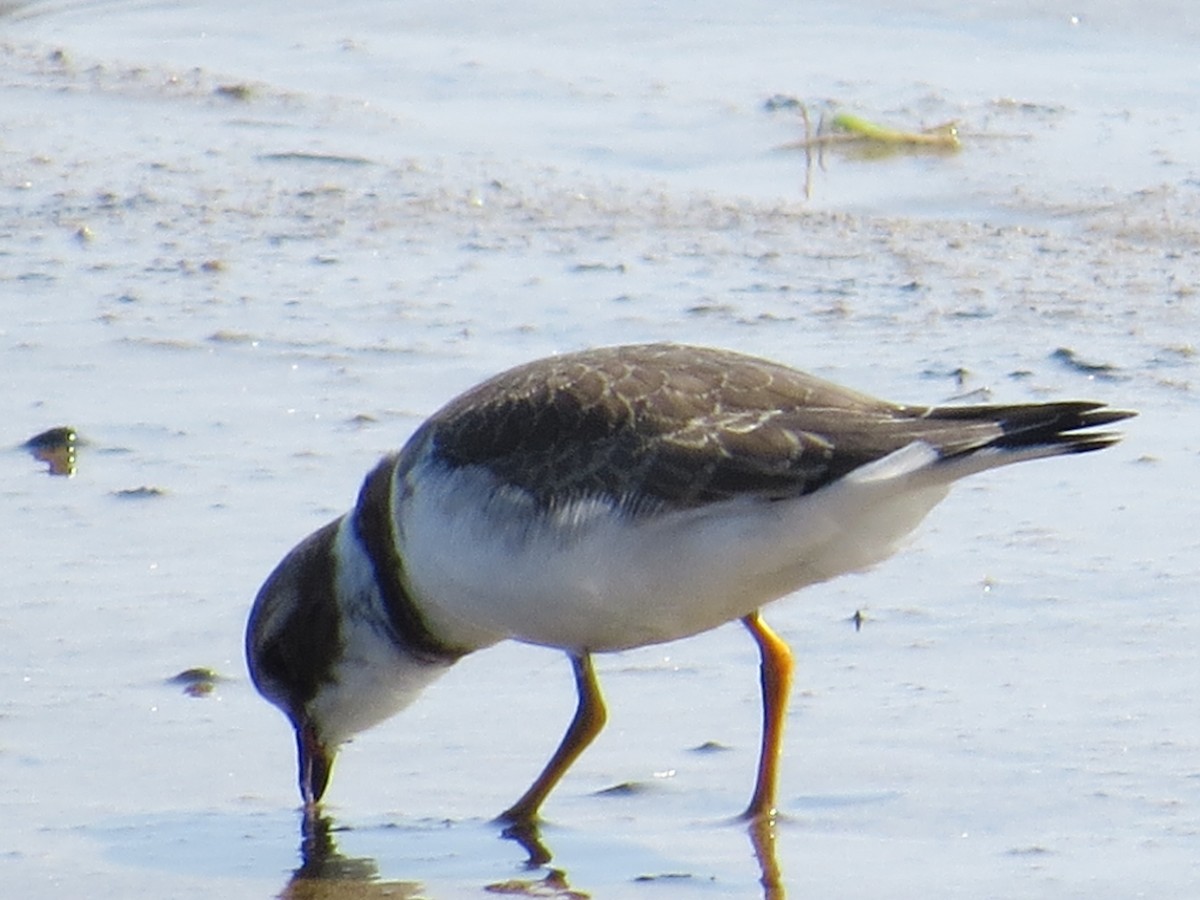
pixel 484 566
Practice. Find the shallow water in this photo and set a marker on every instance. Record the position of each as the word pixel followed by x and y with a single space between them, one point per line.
pixel 245 249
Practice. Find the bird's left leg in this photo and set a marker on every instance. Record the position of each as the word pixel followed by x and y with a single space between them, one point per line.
pixel 590 716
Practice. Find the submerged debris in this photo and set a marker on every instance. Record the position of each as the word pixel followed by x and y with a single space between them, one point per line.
pixel 944 136
pixel 56 448
pixel 846 129
pixel 861 137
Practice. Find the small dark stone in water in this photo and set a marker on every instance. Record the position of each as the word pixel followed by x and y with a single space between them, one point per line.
pixel 196 682
pixel 599 267
pixel 1071 359
pixel 54 437
pixel 139 493
pixel 780 101
pixel 303 157
pixel 56 448
pixel 242 92
pixel 972 314
pixel 624 789
pixel 228 336
pixel 709 747
pixel 708 309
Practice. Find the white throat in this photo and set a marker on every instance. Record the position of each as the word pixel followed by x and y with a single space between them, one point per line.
pixel 375 677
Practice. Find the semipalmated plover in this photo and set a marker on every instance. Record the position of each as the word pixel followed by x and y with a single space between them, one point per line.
pixel 609 499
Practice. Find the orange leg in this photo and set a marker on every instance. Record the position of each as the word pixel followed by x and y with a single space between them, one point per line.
pixel 776 685
pixel 590 717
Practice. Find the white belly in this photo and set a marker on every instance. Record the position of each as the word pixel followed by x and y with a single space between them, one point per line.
pixel 483 567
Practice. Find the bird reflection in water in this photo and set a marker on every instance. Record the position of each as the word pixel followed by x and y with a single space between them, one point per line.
pixel 762 839
pixel 327 874
pixel 554 884
pixel 761 831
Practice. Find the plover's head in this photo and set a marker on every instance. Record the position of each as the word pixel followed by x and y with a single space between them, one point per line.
pixel 293 642
pixel 334 640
